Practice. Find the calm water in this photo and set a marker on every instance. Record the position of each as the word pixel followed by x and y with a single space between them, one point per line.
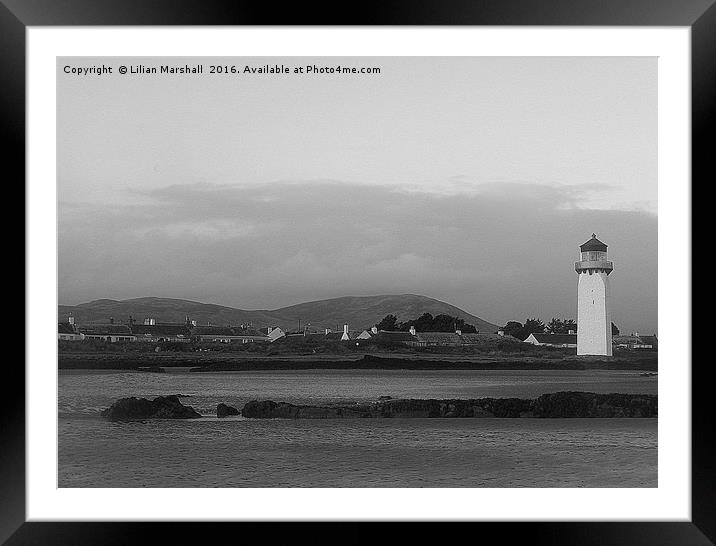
pixel 237 452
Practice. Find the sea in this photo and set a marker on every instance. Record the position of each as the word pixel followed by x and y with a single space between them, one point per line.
pixel 410 452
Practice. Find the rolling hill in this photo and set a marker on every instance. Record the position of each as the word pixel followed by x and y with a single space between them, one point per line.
pixel 357 311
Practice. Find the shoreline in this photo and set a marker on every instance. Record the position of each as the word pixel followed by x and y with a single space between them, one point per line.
pixel 226 363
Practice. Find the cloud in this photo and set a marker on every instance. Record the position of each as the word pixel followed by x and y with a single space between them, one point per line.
pixel 557 195
pixel 503 251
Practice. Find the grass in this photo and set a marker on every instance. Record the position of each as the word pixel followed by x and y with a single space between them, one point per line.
pixel 220 357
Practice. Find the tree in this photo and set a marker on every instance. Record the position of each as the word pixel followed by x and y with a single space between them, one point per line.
pixel 440 323
pixel 559 326
pixel 514 329
pixel 389 322
pixel 555 326
pixel 423 323
pixel 533 326
pixel 615 330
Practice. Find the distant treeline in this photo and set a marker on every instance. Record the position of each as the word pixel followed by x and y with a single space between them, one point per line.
pixel 445 323
pixel 427 323
pixel 536 326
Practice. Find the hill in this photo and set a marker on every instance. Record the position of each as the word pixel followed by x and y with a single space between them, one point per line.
pixel 357 311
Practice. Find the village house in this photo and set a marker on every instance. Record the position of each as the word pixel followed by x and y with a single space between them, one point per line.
pixel 636 342
pixel 66 332
pixel 486 339
pixel 367 334
pixel 272 333
pixel 435 339
pixel 413 338
pixel 552 340
pixel 345 335
pixel 225 334
pixel 150 331
pixel 388 336
pixel 107 332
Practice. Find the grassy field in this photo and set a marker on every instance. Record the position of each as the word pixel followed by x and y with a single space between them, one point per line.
pixel 218 360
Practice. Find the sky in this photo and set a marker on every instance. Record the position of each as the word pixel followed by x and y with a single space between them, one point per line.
pixel 472 180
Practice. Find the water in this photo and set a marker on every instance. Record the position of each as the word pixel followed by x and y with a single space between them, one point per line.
pixel 237 452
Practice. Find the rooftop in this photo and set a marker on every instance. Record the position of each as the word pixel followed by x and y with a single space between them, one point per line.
pixel 559 339
pixel 593 244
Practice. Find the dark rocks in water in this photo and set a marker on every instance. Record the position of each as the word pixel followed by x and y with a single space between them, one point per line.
pixel 268 409
pixel 589 404
pixel 222 410
pixel 162 407
pixel 483 407
pixel 561 404
pixel 487 407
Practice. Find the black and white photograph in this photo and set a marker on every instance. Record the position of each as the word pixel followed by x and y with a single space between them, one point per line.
pixel 363 272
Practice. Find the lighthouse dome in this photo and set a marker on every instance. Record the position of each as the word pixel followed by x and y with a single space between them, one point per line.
pixel 593 245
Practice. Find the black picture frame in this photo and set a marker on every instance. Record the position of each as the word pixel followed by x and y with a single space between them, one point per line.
pixel 16 15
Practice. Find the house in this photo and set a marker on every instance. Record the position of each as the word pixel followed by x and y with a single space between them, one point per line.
pixel 436 339
pixel 226 334
pixel 553 340
pixel 272 333
pixel 66 332
pixel 393 337
pixel 366 334
pixel 412 338
pixel 152 332
pixel 487 340
pixel 649 343
pixel 345 335
pixel 636 341
pixel 107 332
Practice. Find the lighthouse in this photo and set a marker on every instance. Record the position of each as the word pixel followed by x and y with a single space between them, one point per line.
pixel 594 323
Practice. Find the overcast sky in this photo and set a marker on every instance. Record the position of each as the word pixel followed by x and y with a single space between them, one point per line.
pixel 470 180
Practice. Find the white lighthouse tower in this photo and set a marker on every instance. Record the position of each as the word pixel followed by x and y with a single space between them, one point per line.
pixel 594 323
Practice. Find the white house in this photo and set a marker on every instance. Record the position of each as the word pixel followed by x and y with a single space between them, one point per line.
pixel 553 340
pixel 274 333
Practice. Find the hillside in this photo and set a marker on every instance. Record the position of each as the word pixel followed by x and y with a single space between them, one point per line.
pixel 357 311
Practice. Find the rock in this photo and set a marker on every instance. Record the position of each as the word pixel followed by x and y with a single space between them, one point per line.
pixel 222 410
pixel 268 409
pixel 560 404
pixel 589 404
pixel 258 409
pixel 385 398
pixel 506 407
pixel 162 407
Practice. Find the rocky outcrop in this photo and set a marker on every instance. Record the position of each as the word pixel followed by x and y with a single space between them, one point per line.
pixel 561 404
pixel 162 407
pixel 486 407
pixel 268 409
pixel 222 410
pixel 589 404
